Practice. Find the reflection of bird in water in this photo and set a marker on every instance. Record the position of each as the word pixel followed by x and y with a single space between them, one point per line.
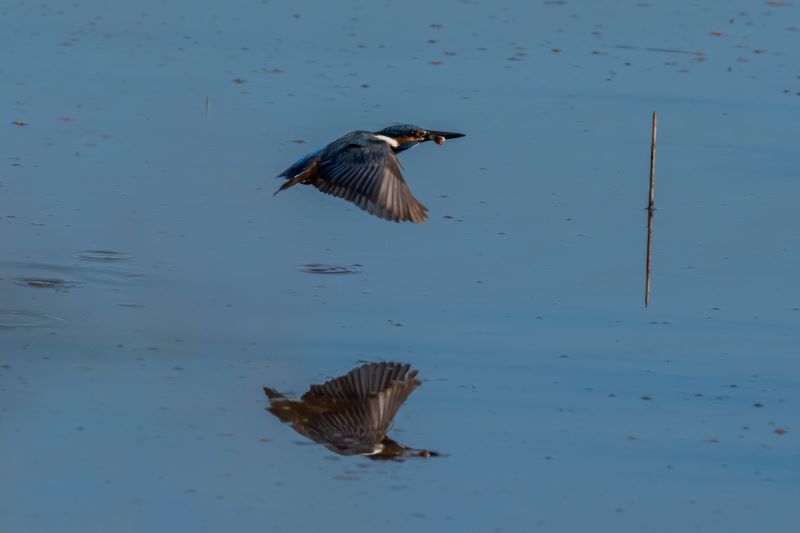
pixel 351 414
pixel 362 168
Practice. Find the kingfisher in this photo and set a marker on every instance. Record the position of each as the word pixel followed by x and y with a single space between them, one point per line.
pixel 362 168
pixel 351 414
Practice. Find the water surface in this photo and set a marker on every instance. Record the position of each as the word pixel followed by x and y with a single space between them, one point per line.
pixel 143 177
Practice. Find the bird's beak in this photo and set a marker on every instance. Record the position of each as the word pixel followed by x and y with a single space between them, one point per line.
pixel 446 134
pixel 439 136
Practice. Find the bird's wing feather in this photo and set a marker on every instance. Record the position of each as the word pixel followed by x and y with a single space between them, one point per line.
pixel 360 406
pixel 366 172
pixel 362 382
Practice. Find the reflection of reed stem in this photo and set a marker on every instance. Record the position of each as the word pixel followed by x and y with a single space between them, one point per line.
pixel 650 208
pixel 207 107
pixel 649 248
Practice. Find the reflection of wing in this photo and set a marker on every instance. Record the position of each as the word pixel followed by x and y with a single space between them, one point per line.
pixel 360 406
pixel 350 414
pixel 361 382
pixel 365 171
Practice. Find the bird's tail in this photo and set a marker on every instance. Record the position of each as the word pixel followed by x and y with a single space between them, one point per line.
pixel 290 183
pixel 304 175
pixel 272 394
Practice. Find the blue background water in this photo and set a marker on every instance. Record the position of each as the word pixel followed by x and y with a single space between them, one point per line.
pixel 133 401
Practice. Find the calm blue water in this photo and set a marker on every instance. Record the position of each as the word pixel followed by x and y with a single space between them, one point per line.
pixel 131 382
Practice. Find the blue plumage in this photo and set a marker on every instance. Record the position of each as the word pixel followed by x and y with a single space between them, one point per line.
pixel 362 168
pixel 300 165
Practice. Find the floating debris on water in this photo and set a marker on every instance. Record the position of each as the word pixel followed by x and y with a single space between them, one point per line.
pixel 101 256
pixel 320 268
pixel 46 283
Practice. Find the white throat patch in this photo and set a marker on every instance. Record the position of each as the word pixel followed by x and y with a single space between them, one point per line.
pixel 391 142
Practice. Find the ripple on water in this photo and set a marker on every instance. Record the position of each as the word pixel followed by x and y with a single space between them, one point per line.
pixel 320 268
pixel 63 277
pixel 104 256
pixel 23 319
pixel 46 283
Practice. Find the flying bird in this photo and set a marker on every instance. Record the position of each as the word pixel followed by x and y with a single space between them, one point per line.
pixel 362 168
pixel 351 414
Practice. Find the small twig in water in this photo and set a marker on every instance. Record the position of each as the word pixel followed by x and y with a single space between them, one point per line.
pixel 652 162
pixel 650 207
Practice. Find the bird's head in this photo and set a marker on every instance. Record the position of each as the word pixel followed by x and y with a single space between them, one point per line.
pixel 409 135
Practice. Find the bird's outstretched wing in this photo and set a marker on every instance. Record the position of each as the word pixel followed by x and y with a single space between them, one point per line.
pixel 366 172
